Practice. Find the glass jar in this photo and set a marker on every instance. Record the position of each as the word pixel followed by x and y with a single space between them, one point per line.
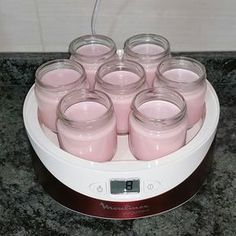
pixel 92 51
pixel 121 80
pixel 87 125
pixel 53 80
pixel 148 50
pixel 188 77
pixel 157 123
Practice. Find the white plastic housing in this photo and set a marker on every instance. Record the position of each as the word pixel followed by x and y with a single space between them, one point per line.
pixel 93 179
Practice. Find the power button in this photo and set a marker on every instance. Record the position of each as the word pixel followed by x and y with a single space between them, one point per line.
pixel 98 188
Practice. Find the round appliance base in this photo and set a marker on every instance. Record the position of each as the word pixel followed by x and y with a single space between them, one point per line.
pixel 122 210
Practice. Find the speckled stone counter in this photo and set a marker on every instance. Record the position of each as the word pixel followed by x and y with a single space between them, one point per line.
pixel 26 209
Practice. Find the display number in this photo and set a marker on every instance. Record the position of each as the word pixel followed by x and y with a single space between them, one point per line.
pixel 125 186
pixel 129 185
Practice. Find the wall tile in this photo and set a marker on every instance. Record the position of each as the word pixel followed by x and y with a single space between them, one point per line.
pixel 19 26
pixel 190 25
pixel 62 21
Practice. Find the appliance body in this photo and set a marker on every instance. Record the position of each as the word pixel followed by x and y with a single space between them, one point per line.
pixel 123 188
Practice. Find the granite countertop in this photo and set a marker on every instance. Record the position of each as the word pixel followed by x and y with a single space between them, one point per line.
pixel 26 209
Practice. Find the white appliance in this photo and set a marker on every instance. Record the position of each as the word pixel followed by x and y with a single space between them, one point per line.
pixel 123 188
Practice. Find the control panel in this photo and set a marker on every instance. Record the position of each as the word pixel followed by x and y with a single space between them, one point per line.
pixel 125 186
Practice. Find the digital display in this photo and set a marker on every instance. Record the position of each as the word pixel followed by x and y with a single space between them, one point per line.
pixel 125 186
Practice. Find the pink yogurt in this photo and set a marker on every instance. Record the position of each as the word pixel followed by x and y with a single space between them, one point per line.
pixel 92 50
pixel 122 102
pixel 149 144
pixel 94 144
pixel 60 77
pixel 121 80
pixel 150 67
pixel 51 87
pixel 195 98
pixel 148 50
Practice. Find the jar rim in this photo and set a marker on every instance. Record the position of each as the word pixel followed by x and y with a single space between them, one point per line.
pixel 147 39
pixel 92 39
pixel 181 62
pixel 116 66
pixel 59 64
pixel 161 94
pixel 83 95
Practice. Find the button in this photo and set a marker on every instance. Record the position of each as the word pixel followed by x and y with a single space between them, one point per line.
pixel 99 188
pixel 151 185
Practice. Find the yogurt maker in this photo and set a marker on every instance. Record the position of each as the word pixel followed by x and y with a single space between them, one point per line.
pixel 124 188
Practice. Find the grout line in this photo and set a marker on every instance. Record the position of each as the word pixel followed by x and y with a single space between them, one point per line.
pixel 39 25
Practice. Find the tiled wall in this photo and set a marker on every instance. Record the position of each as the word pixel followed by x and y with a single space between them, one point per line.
pixel 49 25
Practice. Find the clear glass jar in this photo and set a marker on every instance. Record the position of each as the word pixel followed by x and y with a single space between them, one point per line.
pixel 121 80
pixel 188 77
pixel 92 51
pixel 148 50
pixel 157 123
pixel 53 80
pixel 87 125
